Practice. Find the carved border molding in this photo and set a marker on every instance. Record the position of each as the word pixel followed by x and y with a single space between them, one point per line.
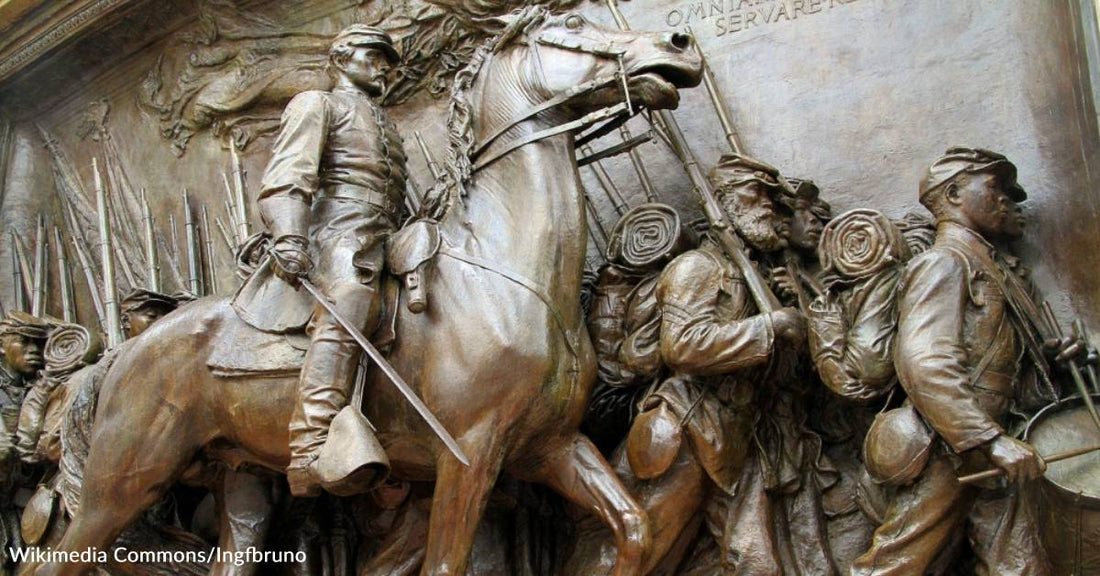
pixel 53 36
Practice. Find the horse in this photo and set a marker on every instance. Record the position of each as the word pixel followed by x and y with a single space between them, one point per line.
pixel 500 355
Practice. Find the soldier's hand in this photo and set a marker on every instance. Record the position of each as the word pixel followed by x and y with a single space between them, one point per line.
pixel 1067 348
pixel 1018 459
pixel 291 258
pixel 784 283
pixel 789 325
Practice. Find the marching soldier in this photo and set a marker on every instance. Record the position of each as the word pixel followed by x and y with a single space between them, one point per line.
pixel 331 195
pixel 22 338
pixel 141 308
pixel 685 450
pixel 967 351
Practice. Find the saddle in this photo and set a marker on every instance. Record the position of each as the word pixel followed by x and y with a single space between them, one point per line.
pixel 243 349
pixel 272 339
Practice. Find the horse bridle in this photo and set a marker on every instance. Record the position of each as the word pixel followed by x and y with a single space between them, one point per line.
pixel 623 109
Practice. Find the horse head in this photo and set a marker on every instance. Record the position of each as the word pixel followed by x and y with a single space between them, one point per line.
pixel 569 50
pixel 556 68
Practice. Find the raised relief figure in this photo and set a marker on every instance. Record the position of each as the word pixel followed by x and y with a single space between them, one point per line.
pixel 967 352
pixel 22 338
pixel 685 450
pixel 331 194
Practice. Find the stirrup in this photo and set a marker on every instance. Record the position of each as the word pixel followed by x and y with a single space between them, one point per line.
pixel 352 461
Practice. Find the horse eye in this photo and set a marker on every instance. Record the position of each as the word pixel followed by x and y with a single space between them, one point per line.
pixel 574 22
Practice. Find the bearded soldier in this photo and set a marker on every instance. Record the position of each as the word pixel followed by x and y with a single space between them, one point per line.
pixel 331 194
pixel 968 352
pixel 686 448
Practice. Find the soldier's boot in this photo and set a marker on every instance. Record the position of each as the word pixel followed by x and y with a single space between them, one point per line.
pixel 332 445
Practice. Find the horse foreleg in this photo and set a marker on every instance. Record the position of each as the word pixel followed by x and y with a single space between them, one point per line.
pixel 577 471
pixel 461 494
pixel 245 505
pixel 133 460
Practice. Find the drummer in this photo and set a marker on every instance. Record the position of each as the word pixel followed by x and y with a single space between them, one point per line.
pixel 967 348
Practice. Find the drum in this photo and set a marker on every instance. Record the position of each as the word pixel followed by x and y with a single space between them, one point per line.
pixel 1069 493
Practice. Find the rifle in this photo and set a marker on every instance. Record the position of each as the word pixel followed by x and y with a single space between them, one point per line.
pixel 639 166
pixel 434 168
pixel 86 266
pixel 238 174
pixel 110 289
pixel 607 184
pixel 68 310
pixel 193 272
pixel 728 239
pixel 209 242
pixel 41 278
pixel 151 258
pixel 24 266
pixel 17 277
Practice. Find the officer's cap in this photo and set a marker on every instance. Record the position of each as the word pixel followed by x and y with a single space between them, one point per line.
pixel 141 298
pixel 361 35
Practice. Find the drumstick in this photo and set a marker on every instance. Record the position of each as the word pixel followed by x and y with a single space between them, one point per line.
pixel 979 476
pixel 1074 369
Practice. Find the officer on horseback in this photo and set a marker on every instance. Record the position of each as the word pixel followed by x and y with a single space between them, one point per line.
pixel 331 195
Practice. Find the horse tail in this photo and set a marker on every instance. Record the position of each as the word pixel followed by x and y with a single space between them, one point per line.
pixel 76 429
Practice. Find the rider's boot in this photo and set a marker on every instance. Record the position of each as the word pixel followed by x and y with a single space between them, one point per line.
pixel 345 458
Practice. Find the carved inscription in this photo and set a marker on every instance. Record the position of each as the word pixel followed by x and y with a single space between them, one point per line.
pixel 733 16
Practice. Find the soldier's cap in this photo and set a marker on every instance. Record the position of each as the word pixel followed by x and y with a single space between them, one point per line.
pixel 361 35
pixel 23 324
pixel 802 189
pixel 961 160
pixel 141 298
pixel 733 169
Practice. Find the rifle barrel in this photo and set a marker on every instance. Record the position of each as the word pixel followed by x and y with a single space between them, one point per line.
pixel 212 273
pixel 607 184
pixel 152 259
pixel 41 276
pixel 639 166
pixel 192 247
pixel 24 265
pixel 86 267
pixel 434 168
pixel 17 277
pixel 68 310
pixel 110 289
pixel 241 205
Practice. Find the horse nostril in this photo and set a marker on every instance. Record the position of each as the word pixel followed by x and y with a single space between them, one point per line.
pixel 680 41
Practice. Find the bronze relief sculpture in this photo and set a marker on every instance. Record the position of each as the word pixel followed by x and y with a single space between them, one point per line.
pixel 483 374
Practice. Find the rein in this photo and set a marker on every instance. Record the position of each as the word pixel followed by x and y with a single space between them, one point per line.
pixel 606 51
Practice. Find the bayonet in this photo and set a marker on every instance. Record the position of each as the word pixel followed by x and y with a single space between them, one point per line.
pixel 212 274
pixel 390 373
pixel 17 277
pixel 231 210
pixel 193 271
pixel 68 309
pixel 152 259
pixel 24 266
pixel 86 266
pixel 719 103
pixel 639 166
pixel 41 276
pixel 436 171
pixel 607 184
pixel 229 244
pixel 238 180
pixel 110 289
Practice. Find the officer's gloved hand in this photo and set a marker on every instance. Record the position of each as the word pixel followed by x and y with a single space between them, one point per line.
pixel 291 258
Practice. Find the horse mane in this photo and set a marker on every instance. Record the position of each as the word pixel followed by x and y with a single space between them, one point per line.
pixel 460 131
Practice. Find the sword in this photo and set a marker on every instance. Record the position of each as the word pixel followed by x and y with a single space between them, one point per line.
pixel 390 373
